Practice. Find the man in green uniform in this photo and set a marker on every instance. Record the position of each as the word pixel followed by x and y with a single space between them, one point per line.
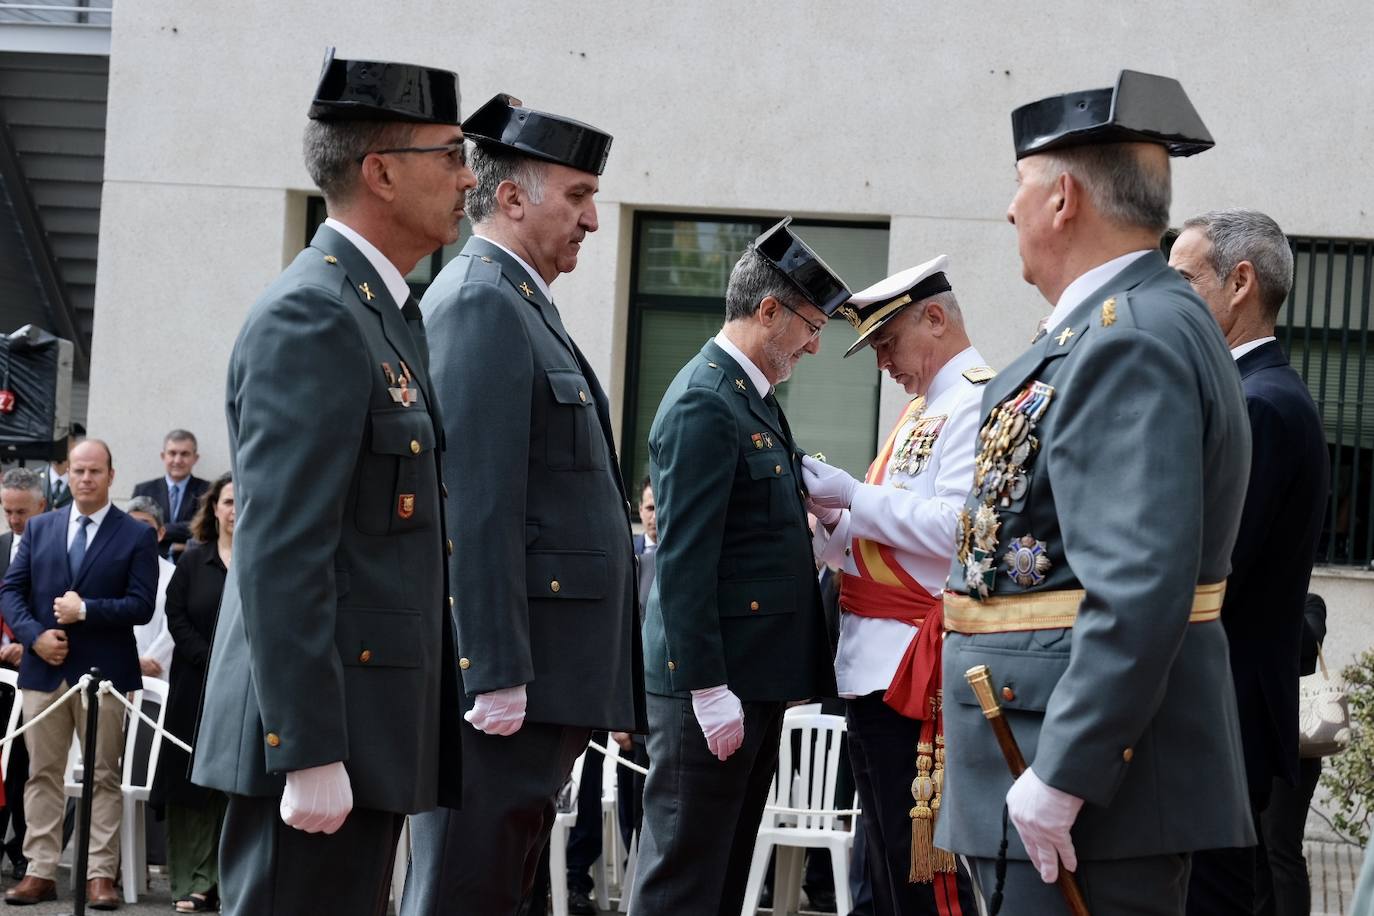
pixel 331 701
pixel 1093 550
pixel 734 627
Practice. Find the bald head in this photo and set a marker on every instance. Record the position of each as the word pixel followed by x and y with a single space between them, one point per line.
pixel 90 473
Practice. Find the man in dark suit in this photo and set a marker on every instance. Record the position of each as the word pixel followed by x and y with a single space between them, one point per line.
pixel 545 574
pixel 56 490
pixel 83 578
pixel 1239 262
pixel 21 494
pixel 734 626
pixel 331 698
pixel 1093 550
pixel 178 491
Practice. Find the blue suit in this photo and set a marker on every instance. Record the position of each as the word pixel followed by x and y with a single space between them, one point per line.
pixel 117 580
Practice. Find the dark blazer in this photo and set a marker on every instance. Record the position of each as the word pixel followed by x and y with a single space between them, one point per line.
pixel 117 580
pixel 177 530
pixel 543 571
pixel 735 600
pixel 57 502
pixel 334 640
pixel 1133 490
pixel 193 597
pixel 1272 561
pixel 6 540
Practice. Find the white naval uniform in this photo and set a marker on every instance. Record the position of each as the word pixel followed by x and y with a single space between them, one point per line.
pixel 916 515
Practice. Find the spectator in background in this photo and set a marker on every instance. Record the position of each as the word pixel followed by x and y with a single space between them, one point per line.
pixel 22 495
pixel 154 639
pixel 177 491
pixel 56 489
pixel 194 814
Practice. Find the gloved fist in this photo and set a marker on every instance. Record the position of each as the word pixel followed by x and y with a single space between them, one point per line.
pixel 824 516
pixel 317 799
pixel 500 712
pixel 721 718
pixel 1044 815
pixel 827 487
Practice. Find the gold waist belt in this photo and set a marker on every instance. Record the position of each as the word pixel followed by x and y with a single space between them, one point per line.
pixel 1048 610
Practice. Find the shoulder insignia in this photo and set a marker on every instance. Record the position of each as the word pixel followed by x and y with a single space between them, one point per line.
pixel 980 374
pixel 1109 312
pixel 713 365
pixel 330 259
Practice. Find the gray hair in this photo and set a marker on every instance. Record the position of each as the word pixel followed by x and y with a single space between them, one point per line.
pixel 22 479
pixel 495 164
pixel 946 301
pixel 181 435
pixel 1249 235
pixel 333 150
pixel 1123 185
pixel 147 505
pixel 753 280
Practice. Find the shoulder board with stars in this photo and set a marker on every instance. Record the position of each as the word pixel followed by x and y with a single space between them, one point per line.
pixel 979 375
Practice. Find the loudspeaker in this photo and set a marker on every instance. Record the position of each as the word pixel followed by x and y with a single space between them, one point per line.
pixel 35 395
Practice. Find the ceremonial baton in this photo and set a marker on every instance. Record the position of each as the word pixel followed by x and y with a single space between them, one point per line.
pixel 980 679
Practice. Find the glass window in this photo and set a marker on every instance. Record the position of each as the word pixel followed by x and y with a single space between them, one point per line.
pixel 682 265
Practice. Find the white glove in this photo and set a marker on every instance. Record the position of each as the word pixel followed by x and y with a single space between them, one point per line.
pixel 827 487
pixel 1043 816
pixel 317 799
pixel 721 718
pixel 500 712
pixel 824 516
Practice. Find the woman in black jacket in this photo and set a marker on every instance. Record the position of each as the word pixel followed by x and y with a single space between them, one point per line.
pixel 194 814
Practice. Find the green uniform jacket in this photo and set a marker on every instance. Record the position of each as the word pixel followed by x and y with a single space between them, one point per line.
pixel 543 566
pixel 333 640
pixel 1135 493
pixel 735 599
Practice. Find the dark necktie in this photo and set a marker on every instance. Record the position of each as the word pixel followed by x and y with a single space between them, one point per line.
pixel 77 552
pixel 772 401
pixel 415 322
pixel 174 497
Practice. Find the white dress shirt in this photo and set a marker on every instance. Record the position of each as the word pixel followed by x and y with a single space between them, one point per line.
pixel 395 283
pixel 917 515
pixel 14 546
pixel 74 524
pixel 1096 278
pixel 534 274
pixel 154 639
pixel 1238 352
pixel 761 383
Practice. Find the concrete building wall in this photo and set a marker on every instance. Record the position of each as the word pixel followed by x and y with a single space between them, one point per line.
pixel 896 111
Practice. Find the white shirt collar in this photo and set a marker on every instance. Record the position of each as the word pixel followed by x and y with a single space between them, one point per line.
pixel 54 477
pixel 14 546
pixel 754 372
pixel 534 274
pixel 97 516
pixel 174 483
pixel 1078 290
pixel 951 371
pixel 395 283
pixel 1238 352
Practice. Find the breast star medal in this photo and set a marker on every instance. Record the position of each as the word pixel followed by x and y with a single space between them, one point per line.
pixel 1027 562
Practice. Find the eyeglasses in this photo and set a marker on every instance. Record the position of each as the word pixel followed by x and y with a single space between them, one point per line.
pixel 815 328
pixel 447 148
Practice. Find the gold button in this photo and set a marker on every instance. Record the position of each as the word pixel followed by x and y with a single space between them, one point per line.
pixel 1127 754
pixel 330 259
pixel 365 656
pixel 415 446
pixel 554 586
pixel 464 664
pixel 450 602
pixel 672 666
pixel 1008 694
pixel 448 545
pixel 713 365
pixel 777 469
pixel 486 259
pixel 753 605
pixel 582 395
pixel 272 739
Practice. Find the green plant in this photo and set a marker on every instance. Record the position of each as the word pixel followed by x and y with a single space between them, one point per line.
pixel 1349 775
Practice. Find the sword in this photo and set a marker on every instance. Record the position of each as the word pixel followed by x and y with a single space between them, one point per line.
pixel 979 677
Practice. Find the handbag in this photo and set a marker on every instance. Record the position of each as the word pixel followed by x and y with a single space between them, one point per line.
pixel 1323 714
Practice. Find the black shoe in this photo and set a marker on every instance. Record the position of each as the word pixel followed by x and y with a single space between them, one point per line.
pixel 580 904
pixel 821 901
pixel 19 867
pixel 766 898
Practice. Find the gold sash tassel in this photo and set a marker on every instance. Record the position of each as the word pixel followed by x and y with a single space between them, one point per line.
pixel 942 859
pixel 922 818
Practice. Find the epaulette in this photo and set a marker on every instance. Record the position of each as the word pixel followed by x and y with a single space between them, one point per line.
pixel 1114 309
pixel 979 375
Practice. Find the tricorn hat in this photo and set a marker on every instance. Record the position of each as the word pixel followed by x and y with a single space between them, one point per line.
pixel 375 90
pixel 795 260
pixel 1141 108
pixel 504 121
pixel 870 309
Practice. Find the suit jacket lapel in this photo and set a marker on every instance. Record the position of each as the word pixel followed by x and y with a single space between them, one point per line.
pixel 519 279
pixel 103 535
pixel 713 352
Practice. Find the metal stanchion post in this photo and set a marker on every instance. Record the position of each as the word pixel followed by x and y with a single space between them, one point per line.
pixel 83 838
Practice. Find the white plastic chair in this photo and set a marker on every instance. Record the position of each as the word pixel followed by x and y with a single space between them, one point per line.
pixel 799 813
pixel 602 873
pixel 11 677
pixel 558 844
pixel 133 844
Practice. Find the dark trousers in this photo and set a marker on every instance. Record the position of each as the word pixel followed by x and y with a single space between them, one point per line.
pixel 584 839
pixel 269 869
pixel 484 858
pixel 1223 881
pixel 629 793
pixel 860 882
pixel 882 749
pixel 1148 886
pixel 701 815
pixel 1281 885
pixel 13 812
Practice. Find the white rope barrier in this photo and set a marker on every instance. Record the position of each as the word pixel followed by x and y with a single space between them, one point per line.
pixel 620 758
pixel 79 686
pixel 109 688
pixel 106 687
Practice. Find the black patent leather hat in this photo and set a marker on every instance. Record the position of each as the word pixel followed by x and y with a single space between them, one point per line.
pixel 1140 108
pixel 504 121
pixel 795 260
pixel 376 90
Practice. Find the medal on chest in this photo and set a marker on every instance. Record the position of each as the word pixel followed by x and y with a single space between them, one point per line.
pixel 913 455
